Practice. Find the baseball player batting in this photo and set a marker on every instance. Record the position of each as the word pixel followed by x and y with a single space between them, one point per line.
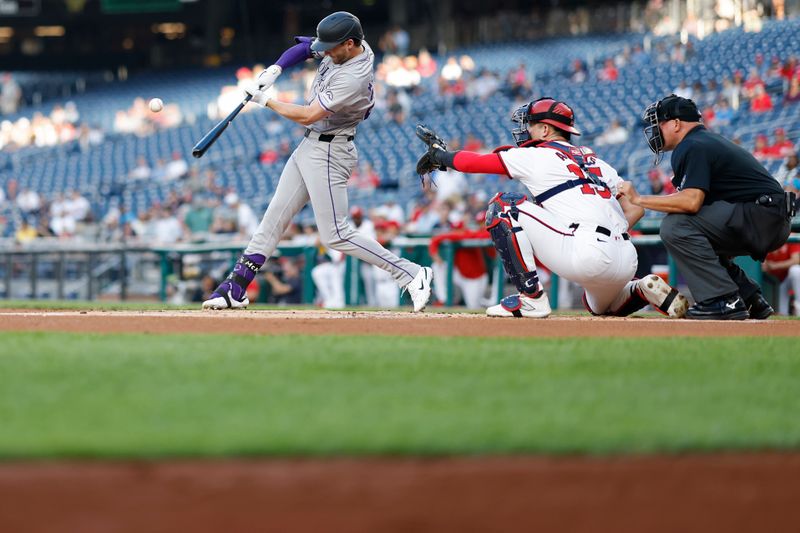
pixel 341 97
pixel 572 222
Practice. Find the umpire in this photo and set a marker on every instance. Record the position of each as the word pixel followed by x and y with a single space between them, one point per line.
pixel 726 205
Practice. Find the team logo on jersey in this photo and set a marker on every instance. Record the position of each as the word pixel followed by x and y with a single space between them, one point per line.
pixel 329 95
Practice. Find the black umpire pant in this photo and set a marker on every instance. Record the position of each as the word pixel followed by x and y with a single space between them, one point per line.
pixel 704 244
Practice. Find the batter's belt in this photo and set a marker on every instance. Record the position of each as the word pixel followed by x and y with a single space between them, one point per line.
pixel 327 137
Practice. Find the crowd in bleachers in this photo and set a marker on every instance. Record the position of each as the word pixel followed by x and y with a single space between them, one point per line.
pixel 131 167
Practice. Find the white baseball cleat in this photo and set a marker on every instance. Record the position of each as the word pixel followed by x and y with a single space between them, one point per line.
pixel 420 288
pixel 522 306
pixel 662 297
pixel 223 299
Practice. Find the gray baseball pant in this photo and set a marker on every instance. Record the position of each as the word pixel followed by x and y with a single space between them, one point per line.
pixel 319 171
pixel 702 246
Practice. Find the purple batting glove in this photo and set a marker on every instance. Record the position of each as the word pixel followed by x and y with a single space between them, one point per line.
pixel 294 55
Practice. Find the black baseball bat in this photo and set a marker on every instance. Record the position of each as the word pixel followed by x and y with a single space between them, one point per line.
pixel 210 138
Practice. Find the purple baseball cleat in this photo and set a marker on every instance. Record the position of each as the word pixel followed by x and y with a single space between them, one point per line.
pixel 232 293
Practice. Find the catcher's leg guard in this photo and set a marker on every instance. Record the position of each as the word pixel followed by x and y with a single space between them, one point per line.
pixel 501 223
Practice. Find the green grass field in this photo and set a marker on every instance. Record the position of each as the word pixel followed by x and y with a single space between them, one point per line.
pixel 76 395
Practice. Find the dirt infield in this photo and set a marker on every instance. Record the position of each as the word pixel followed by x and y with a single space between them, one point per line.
pixel 380 323
pixel 696 493
pixel 727 493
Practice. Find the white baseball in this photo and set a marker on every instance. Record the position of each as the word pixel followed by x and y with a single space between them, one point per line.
pixel 156 105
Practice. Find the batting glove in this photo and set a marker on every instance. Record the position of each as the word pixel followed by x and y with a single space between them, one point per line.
pixel 268 77
pixel 258 97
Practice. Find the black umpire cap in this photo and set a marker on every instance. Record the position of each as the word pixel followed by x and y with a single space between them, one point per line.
pixel 674 106
pixel 336 28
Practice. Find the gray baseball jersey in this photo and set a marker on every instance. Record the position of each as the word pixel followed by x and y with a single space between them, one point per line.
pixel 347 90
pixel 318 171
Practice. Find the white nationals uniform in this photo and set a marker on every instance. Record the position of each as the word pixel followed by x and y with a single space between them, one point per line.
pixel 579 233
pixel 320 166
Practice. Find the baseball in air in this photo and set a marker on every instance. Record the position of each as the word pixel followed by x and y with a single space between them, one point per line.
pixel 156 105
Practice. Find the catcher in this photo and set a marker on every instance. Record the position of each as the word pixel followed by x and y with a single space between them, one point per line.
pixel 572 221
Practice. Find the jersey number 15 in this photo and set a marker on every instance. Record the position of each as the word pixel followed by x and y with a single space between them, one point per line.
pixel 590 188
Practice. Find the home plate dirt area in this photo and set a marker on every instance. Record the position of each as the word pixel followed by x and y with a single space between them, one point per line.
pixel 314 322
pixel 728 492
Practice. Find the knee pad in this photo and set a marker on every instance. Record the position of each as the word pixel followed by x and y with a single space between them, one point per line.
pixel 503 234
pixel 498 204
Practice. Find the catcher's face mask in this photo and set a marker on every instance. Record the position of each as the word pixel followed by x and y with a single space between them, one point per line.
pixel 520 119
pixel 652 132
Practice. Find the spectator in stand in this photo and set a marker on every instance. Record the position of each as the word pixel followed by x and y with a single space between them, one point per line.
pixel 397 113
pixel 400 75
pixel 614 134
pixel 426 64
pixel 61 222
pixel 660 53
pixel 761 149
pixel 761 102
pixel 246 221
pixel 678 54
pixel 660 184
pixel 424 217
pixel 451 71
pixel 684 90
pixel 609 71
pixel 167 227
pixel 141 171
pixel 225 218
pixel 177 168
pixel 484 86
pixel 730 92
pixel 793 93
pixel 790 68
pixel 29 202
pixel 199 217
pixel 470 275
pixel 473 144
pixel 288 288
pixel 784 264
pixel 10 95
pixel 579 72
pixel 517 83
pixel 723 113
pixel 788 175
pixel 751 85
pixel 78 207
pixel 364 177
pixel 782 146
pixel 268 154
pixel 773 77
pixel 25 233
pixel 401 40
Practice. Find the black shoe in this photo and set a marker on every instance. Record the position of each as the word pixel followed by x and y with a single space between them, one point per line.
pixel 724 308
pixel 759 307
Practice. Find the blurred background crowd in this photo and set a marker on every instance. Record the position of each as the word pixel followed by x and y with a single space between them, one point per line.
pixel 83 159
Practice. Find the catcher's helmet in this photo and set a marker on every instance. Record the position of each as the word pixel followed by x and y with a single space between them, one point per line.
pixel 546 110
pixel 336 28
pixel 668 108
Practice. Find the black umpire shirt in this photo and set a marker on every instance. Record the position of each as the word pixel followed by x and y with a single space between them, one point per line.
pixel 722 169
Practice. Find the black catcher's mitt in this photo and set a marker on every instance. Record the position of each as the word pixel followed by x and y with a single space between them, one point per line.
pixel 430 160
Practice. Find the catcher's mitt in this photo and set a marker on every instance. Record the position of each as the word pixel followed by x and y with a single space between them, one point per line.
pixel 436 145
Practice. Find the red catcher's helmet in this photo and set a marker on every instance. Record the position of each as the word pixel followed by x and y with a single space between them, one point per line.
pixel 551 111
